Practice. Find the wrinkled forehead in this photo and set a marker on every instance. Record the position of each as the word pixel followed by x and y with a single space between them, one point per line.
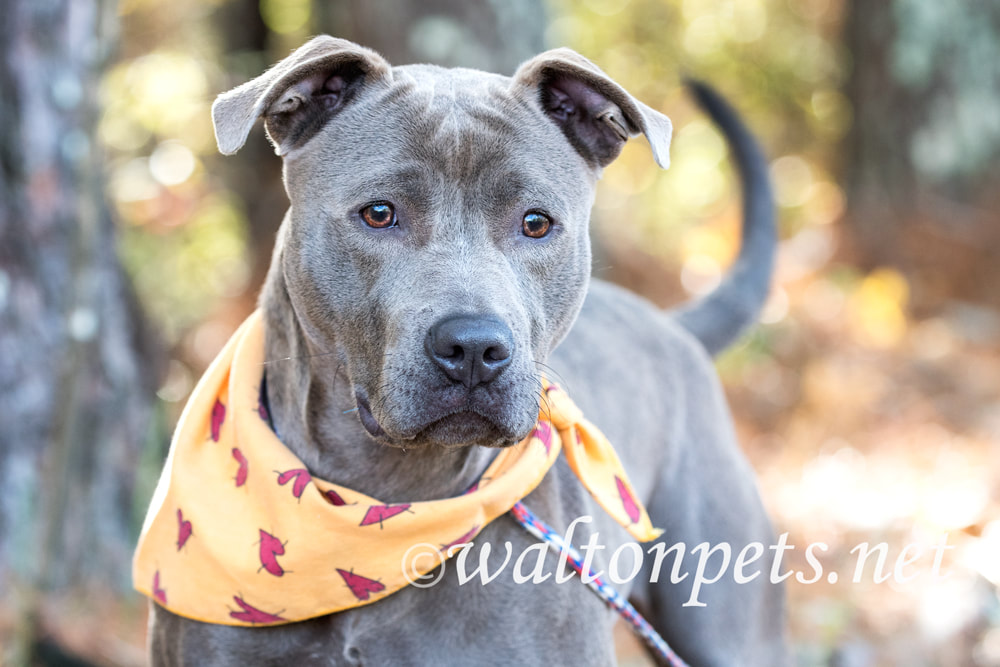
pixel 461 126
pixel 462 119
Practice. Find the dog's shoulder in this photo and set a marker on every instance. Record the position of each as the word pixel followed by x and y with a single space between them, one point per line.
pixel 634 371
pixel 623 323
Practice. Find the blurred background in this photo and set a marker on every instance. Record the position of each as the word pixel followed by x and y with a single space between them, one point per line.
pixel 868 399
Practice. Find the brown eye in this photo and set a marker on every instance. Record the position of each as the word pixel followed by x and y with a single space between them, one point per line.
pixel 535 224
pixel 380 216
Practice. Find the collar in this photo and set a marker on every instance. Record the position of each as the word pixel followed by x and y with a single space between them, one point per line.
pixel 239 532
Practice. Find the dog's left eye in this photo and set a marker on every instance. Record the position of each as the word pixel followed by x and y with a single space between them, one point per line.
pixel 380 215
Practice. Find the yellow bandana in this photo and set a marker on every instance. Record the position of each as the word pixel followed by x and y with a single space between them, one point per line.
pixel 239 532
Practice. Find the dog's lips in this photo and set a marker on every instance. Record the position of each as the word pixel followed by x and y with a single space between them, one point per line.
pixel 466 427
pixel 368 419
pixel 448 415
pixel 459 424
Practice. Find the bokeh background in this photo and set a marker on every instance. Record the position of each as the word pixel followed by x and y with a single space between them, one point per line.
pixel 868 399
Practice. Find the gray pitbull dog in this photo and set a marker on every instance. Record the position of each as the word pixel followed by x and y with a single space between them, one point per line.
pixel 434 262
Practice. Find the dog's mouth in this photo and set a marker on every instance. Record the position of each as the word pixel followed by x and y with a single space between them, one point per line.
pixel 462 428
pixel 459 428
pixel 368 419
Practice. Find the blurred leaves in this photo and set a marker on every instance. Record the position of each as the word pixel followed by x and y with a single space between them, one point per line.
pixel 204 258
pixel 285 16
pixel 866 423
pixel 957 48
pixel 183 237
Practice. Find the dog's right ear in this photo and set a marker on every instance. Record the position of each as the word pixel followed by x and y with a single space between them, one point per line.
pixel 297 96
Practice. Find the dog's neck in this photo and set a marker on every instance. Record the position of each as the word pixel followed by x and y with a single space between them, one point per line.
pixel 313 407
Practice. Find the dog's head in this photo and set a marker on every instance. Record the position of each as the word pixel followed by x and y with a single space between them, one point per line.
pixel 437 240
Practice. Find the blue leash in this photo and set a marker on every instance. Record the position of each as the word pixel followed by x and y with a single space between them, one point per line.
pixel 613 598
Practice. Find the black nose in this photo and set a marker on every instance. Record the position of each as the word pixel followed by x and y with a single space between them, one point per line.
pixel 470 350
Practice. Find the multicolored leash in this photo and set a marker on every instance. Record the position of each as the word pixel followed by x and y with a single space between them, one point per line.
pixel 613 598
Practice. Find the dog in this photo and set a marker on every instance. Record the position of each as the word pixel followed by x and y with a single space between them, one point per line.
pixel 433 264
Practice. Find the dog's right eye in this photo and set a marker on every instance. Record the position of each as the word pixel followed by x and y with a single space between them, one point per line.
pixel 380 215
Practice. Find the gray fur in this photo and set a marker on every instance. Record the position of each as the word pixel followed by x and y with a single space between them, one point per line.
pixel 462 155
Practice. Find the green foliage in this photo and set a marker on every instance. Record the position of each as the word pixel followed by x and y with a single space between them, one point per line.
pixel 183 234
pixel 952 47
pixel 181 272
pixel 781 64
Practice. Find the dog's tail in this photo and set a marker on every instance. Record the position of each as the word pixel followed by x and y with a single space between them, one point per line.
pixel 718 318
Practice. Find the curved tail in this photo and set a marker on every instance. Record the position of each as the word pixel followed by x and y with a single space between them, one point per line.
pixel 718 318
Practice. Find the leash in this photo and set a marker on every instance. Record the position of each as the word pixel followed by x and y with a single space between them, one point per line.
pixel 531 523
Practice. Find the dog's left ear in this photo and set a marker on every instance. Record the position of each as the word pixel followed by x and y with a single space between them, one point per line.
pixel 596 114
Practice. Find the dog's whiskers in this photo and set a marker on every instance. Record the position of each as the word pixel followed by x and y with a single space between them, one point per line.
pixel 554 374
pixel 298 358
pixel 546 407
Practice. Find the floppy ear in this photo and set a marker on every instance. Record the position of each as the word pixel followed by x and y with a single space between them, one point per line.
pixel 596 114
pixel 298 95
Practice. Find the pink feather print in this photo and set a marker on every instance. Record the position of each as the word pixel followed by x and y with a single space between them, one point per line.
pixel 628 500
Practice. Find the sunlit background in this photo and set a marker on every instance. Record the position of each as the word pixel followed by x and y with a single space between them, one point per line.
pixel 868 399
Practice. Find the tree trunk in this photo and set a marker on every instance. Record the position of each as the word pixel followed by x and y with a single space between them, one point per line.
pixel 254 174
pixel 879 176
pixel 923 155
pixel 76 375
pixel 481 34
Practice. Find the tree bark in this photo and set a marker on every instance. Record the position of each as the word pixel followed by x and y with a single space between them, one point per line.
pixel 923 154
pixel 76 371
pixel 481 34
pixel 879 177
pixel 254 174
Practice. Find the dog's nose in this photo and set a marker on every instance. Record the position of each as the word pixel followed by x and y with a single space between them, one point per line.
pixel 470 350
